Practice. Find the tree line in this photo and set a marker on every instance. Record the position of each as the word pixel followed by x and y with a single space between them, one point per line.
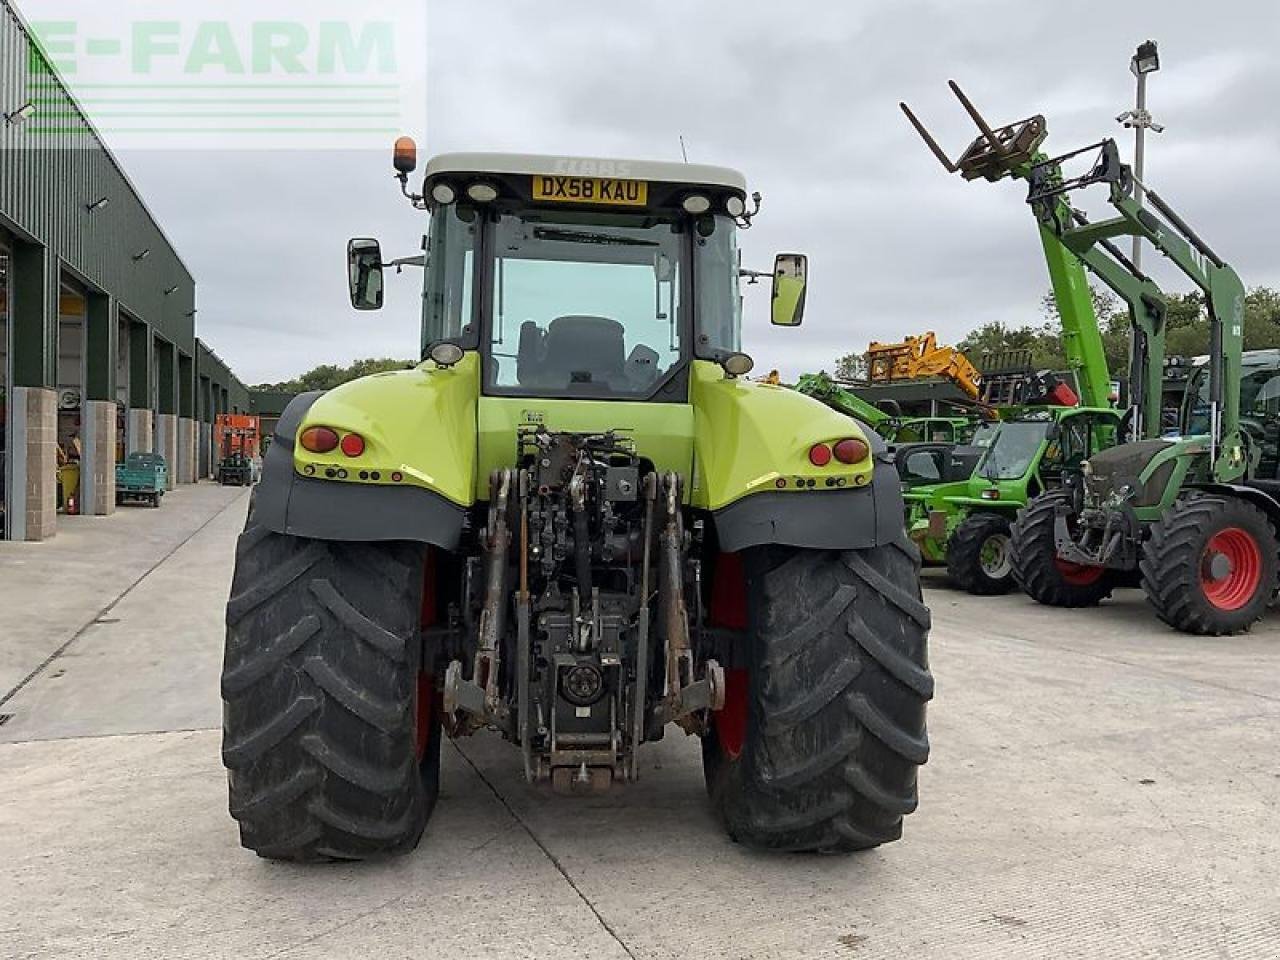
pixel 328 375
pixel 1187 324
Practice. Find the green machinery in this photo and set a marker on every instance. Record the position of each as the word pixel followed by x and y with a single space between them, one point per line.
pixel 965 522
pixel 578 524
pixel 895 428
pixel 1193 515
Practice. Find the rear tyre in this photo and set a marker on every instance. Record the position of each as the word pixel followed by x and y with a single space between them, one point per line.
pixel 1037 568
pixel 978 556
pixel 331 736
pixel 819 743
pixel 1209 566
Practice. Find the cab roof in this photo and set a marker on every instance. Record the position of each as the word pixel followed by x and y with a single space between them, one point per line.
pixel 530 164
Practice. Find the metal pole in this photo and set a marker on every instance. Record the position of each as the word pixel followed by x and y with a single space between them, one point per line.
pixel 1139 152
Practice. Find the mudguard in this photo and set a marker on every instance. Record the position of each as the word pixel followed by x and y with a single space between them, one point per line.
pixel 1263 494
pixel 402 433
pixel 820 520
pixel 752 470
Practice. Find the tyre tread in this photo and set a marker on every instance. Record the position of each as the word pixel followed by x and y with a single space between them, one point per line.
pixel 318 680
pixel 836 727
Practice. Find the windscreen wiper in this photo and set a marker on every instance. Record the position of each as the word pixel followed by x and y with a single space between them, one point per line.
pixel 604 239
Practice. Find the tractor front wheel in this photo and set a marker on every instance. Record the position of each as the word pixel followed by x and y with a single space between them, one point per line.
pixel 1209 566
pixel 1037 568
pixel 821 735
pixel 330 736
pixel 978 555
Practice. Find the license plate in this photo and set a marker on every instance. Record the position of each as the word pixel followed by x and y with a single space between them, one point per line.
pixel 598 190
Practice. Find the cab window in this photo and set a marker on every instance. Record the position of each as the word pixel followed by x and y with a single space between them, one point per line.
pixel 584 308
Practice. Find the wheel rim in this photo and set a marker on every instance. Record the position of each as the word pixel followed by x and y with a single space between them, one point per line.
pixel 994 558
pixel 1231 569
pixel 1078 574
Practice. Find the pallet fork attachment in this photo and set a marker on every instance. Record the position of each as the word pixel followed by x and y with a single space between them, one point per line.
pixel 996 153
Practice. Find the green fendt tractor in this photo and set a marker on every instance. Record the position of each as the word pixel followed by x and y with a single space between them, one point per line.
pixel 574 523
pixel 966 523
pixel 1191 513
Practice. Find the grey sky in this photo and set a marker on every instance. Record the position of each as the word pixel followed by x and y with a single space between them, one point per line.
pixel 803 98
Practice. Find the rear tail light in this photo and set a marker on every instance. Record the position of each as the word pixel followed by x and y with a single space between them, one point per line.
pixel 319 439
pixel 851 450
pixel 819 454
pixel 353 444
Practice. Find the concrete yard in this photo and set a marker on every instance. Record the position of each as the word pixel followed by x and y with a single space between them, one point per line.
pixel 1100 787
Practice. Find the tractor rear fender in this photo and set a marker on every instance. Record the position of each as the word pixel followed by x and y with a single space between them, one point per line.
pixel 753 472
pixel 1264 500
pixel 820 520
pixel 419 433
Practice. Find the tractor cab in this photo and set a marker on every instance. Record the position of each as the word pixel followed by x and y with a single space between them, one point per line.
pixel 581 279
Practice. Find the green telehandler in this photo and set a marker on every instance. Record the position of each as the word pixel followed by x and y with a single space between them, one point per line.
pixel 896 428
pixel 965 522
pixel 575 523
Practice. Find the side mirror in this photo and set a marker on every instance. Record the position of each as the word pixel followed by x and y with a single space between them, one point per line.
pixel 790 274
pixel 364 273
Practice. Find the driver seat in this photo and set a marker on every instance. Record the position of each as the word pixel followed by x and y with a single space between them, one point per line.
pixel 583 349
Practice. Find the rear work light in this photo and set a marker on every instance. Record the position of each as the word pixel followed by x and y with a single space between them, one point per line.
pixel 319 439
pixel 353 444
pixel 819 454
pixel 851 450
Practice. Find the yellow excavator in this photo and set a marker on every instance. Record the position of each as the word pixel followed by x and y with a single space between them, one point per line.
pixel 918 358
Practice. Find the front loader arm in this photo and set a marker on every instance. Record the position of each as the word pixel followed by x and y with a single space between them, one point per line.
pixel 1014 151
pixel 1172 236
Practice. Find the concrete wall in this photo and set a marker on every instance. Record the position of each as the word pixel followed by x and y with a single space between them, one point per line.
pixel 167 444
pixel 186 450
pixel 34 504
pixel 98 464
pixel 140 431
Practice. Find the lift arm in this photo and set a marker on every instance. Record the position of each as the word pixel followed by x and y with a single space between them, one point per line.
pixel 822 387
pixel 919 357
pixel 1068 235
pixel 1172 236
pixel 1014 151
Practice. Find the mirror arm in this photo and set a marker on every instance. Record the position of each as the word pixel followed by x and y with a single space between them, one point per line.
pixel 755 276
pixel 419 261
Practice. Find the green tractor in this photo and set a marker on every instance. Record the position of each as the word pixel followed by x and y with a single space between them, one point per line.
pixel 1178 513
pixel 575 523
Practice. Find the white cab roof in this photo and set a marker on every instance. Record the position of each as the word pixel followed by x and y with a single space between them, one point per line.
pixel 540 164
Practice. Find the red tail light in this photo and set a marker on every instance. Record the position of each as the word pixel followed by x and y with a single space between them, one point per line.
pixel 353 444
pixel 819 454
pixel 851 450
pixel 318 439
